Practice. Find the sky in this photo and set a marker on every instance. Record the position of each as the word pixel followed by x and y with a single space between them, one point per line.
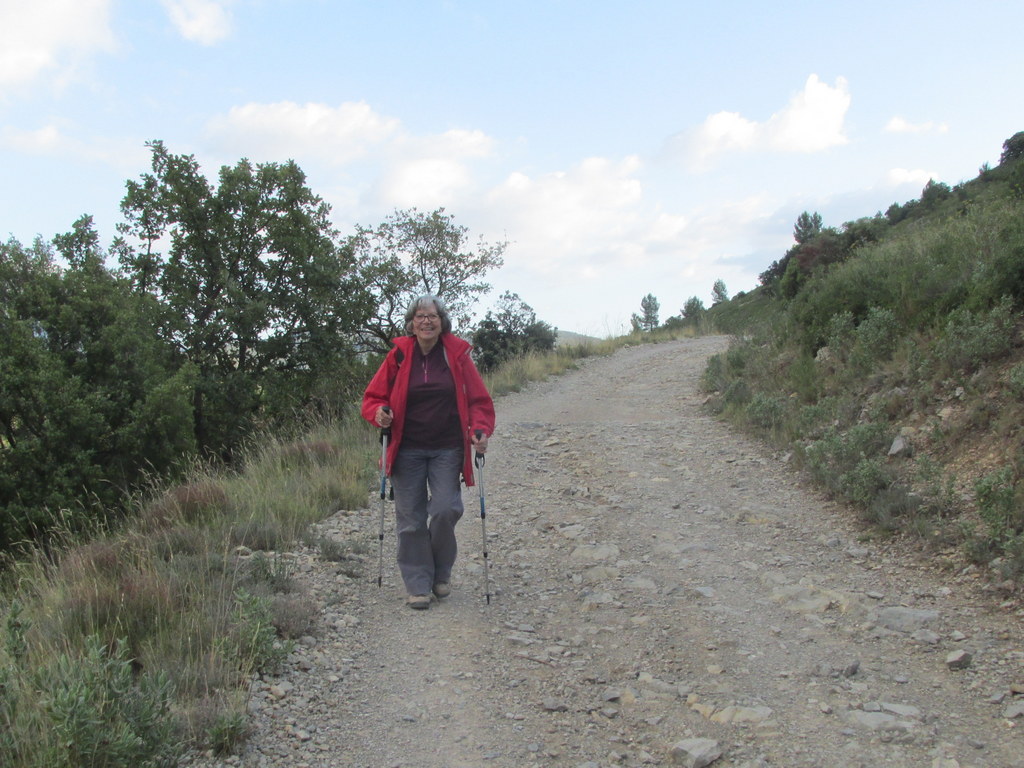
pixel 619 148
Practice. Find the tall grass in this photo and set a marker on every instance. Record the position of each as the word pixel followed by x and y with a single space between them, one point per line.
pixel 122 647
pixel 514 374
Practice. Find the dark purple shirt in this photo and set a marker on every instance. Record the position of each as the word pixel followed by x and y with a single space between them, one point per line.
pixel 431 411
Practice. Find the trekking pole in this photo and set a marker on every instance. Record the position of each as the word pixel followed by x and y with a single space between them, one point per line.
pixel 384 435
pixel 478 461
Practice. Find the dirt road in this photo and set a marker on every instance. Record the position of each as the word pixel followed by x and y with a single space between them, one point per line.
pixel 666 592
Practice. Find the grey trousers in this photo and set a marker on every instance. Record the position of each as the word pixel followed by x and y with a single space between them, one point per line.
pixel 428 504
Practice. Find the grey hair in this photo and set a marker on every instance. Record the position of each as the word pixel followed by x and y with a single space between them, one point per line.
pixel 428 301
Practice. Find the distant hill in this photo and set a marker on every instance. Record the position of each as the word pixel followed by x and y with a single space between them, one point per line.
pixel 568 339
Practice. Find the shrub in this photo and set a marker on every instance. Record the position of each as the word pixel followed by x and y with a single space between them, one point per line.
pixel 100 717
pixel 766 412
pixel 971 339
pixel 715 377
pixel 865 481
pixel 228 729
pixel 1000 503
pixel 255 646
pixel 840 453
pixel 737 393
pixel 1015 379
pixel 875 338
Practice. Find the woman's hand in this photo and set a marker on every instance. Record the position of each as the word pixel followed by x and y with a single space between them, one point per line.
pixel 479 441
pixel 384 417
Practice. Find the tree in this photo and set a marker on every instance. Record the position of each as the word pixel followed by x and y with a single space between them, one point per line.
pixel 693 309
pixel 718 293
pixel 933 194
pixel 510 330
pixel 1013 148
pixel 92 400
pixel 259 298
pixel 648 321
pixel 413 253
pixel 807 226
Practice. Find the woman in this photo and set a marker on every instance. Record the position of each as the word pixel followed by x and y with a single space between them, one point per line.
pixel 430 394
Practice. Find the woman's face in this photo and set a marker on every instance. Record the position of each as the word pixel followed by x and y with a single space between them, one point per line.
pixel 426 323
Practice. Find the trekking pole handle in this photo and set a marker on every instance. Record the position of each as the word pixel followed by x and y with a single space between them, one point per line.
pixel 478 459
pixel 386 431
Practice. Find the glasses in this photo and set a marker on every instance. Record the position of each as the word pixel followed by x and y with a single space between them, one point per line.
pixel 425 318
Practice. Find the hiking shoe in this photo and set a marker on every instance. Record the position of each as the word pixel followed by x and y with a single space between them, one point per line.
pixel 442 589
pixel 419 602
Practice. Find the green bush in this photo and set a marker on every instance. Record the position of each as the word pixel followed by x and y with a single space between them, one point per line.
pixel 101 718
pixel 1000 503
pixel 766 412
pixel 971 339
pixel 840 453
pixel 737 393
pixel 715 377
pixel 875 338
pixel 1015 379
pixel 256 647
pixel 865 481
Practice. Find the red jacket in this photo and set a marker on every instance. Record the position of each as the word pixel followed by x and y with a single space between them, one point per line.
pixel 390 387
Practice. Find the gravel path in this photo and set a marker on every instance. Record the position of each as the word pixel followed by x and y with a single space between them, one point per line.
pixel 664 592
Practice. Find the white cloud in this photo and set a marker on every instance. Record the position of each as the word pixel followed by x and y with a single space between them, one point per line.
pixel 406 170
pixel 899 125
pixel 50 37
pixel 587 213
pixel 335 135
pixel 430 171
pixel 42 141
pixel 428 183
pixel 898 177
pixel 811 122
pixel 51 141
pixel 726 131
pixel 201 21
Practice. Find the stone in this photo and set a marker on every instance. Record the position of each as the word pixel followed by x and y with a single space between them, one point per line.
pixel 900 619
pixel 902 710
pixel 900 447
pixel 1014 710
pixel 738 714
pixel 554 705
pixel 958 659
pixel 875 721
pixel 695 753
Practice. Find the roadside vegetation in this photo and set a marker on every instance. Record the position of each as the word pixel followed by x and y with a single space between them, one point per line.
pixel 885 359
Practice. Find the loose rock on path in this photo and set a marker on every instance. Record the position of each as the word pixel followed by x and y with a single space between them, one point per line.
pixel 664 592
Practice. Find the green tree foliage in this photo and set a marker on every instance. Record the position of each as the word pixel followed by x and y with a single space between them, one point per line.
pixel 934 194
pixel 719 293
pixel 90 397
pixel 259 298
pixel 808 226
pixel 510 330
pixel 1013 148
pixel 413 253
pixel 816 246
pixel 647 321
pixel 693 309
